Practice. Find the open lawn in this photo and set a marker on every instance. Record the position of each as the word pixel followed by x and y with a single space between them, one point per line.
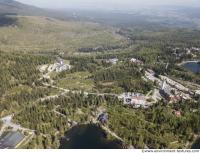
pixel 77 81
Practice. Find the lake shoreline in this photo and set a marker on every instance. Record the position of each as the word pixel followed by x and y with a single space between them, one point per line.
pixel 88 136
pixel 193 66
pixel 185 62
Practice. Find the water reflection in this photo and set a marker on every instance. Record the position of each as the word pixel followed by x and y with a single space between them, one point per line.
pixel 88 137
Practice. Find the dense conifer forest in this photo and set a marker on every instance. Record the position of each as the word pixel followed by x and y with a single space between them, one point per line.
pixel 56 75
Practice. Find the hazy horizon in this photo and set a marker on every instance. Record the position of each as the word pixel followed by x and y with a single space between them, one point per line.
pixel 107 4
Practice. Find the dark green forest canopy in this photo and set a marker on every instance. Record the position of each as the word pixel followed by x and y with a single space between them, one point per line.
pixel 18 72
pixel 19 69
pixel 156 127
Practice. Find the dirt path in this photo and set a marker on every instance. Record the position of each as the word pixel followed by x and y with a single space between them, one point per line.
pixel 112 133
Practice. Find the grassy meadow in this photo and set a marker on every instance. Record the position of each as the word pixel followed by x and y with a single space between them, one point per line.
pixel 77 81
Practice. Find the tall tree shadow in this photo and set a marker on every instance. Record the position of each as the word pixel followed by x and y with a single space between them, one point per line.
pixel 88 137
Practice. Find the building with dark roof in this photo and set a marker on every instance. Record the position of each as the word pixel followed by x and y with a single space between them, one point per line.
pixel 9 140
pixel 103 118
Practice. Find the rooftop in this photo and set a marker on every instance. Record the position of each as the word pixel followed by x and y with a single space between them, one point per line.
pixel 9 140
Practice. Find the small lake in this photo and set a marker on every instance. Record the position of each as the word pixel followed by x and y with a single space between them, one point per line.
pixel 192 66
pixel 89 136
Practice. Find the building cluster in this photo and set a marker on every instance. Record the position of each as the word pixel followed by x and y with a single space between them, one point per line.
pixel 59 66
pixel 178 52
pixel 114 61
pixel 169 89
pixel 134 99
pixel 168 93
pixel 193 49
pixel 174 91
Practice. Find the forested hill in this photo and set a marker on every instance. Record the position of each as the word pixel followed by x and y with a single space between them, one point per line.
pixel 14 7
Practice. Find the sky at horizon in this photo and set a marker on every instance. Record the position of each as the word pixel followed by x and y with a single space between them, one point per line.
pixel 107 4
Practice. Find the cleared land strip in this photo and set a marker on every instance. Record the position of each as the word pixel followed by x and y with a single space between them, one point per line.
pixel 74 92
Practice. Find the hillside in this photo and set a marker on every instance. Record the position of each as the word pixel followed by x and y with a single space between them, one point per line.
pixel 27 28
pixel 34 33
pixel 14 7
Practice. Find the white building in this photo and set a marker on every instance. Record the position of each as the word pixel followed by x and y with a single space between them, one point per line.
pixel 135 99
pixel 62 67
pixel 195 49
pixel 112 61
pixel 134 60
pixel 59 66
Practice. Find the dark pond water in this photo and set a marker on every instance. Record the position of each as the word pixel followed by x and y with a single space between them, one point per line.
pixel 88 137
pixel 192 66
pixel 196 145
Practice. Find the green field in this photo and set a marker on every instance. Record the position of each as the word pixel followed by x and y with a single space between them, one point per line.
pixel 77 81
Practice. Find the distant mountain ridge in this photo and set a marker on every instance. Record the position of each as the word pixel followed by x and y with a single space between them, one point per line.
pixel 14 7
pixel 17 8
pixel 168 16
